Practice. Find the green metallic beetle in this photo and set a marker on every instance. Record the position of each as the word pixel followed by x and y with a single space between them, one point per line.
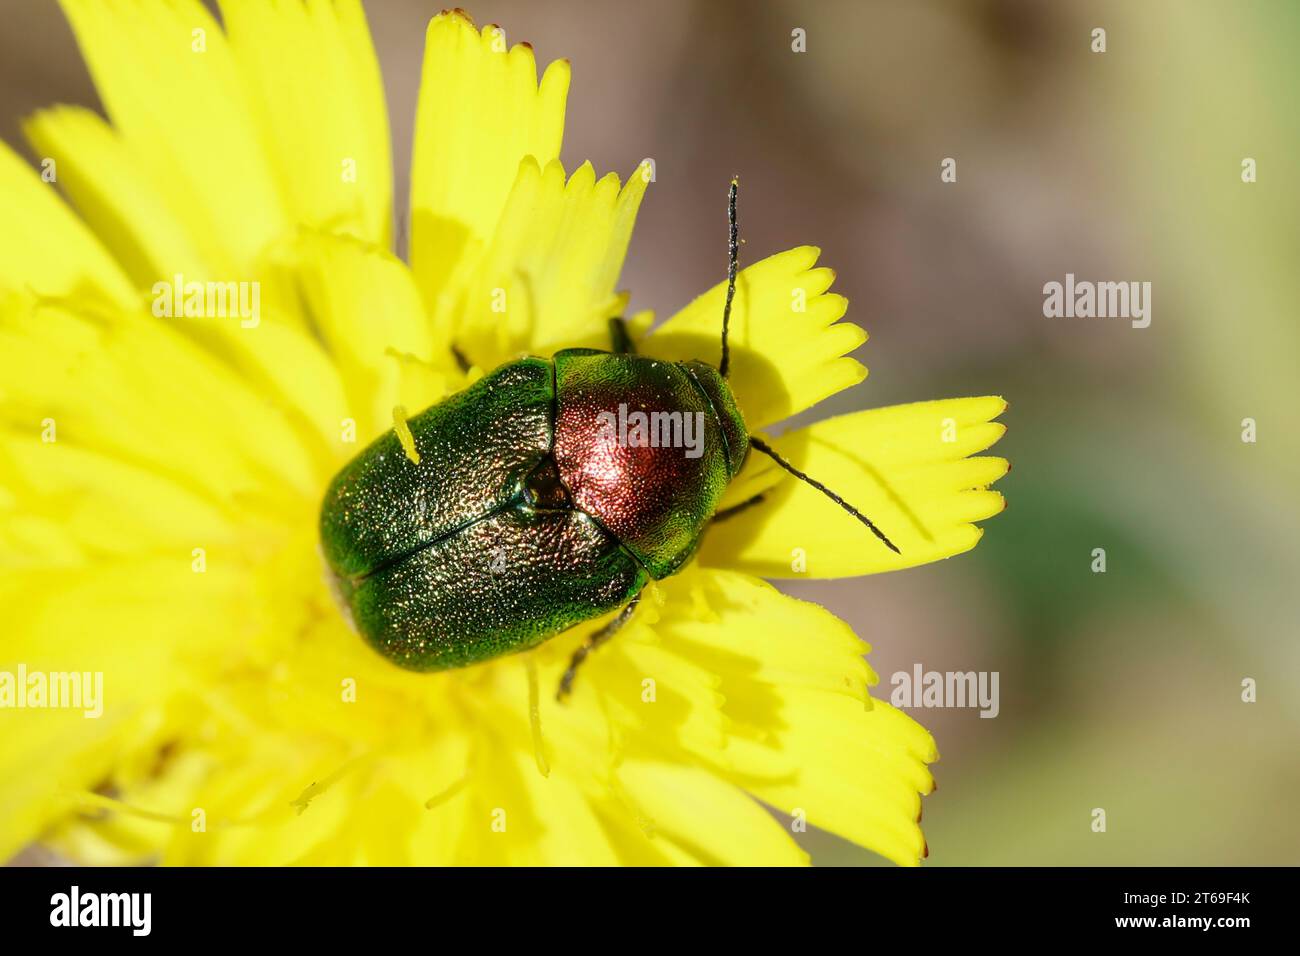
pixel 533 506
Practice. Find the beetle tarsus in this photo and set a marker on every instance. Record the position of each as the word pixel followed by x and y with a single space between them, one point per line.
pixel 593 642
pixel 462 360
pixel 620 337
pixel 734 510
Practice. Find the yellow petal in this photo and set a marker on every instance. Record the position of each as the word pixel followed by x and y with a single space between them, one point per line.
pixel 861 772
pixel 293 122
pixel 314 84
pixel 481 111
pixel 803 735
pixel 104 506
pixel 905 467
pixel 564 831
pixel 280 357
pixel 709 819
pixel 725 639
pixel 788 347
pixel 172 89
pixel 547 279
pixel 129 387
pixel 57 621
pixel 117 197
pixel 45 250
pixel 361 303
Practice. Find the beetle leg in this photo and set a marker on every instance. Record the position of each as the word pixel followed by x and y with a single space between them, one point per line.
pixel 462 362
pixel 593 642
pixel 620 336
pixel 737 509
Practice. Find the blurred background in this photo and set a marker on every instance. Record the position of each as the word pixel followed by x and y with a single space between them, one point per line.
pixel 1119 690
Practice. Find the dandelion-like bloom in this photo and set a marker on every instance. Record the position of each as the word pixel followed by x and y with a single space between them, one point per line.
pixel 161 473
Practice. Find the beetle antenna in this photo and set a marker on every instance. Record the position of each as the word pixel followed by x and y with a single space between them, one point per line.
pixel 759 445
pixel 733 259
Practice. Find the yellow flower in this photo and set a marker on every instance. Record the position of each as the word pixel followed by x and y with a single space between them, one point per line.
pixel 160 479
